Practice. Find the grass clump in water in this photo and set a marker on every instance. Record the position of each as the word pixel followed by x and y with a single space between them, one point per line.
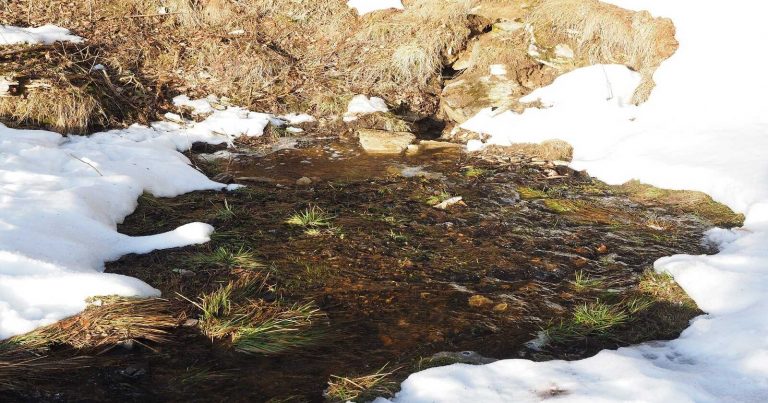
pixel 311 217
pixel 225 212
pixel 236 314
pixel 582 282
pixel 105 322
pixel 589 319
pixel 241 258
pixel 362 388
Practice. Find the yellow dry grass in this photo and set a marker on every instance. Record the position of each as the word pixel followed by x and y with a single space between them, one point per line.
pixel 407 48
pixel 106 322
pixel 65 109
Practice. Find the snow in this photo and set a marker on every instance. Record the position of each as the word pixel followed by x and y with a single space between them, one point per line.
pixel 705 128
pixel 368 6
pixel 230 122
pixel 61 199
pixel 297 118
pixel 362 105
pixel 47 34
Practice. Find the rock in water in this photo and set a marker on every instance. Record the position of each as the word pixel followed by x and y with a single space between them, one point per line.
pixel 384 142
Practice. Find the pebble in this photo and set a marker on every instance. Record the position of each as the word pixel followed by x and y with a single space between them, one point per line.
pixel 304 181
pixel 478 301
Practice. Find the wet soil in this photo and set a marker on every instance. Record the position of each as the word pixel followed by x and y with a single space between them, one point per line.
pixel 394 275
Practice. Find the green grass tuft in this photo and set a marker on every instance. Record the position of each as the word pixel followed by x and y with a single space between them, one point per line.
pixel 310 217
pixel 227 258
pixel 583 282
pixel 236 314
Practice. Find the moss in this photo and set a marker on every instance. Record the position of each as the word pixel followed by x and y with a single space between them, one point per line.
pixel 698 203
pixel 560 206
pixel 530 193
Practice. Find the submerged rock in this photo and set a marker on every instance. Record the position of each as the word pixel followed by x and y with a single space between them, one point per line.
pixel 463 357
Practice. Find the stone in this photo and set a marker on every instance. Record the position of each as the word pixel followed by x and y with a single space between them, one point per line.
pixel 448 203
pixel 464 357
pixel 478 301
pixel 304 181
pixel 429 145
pixel 384 142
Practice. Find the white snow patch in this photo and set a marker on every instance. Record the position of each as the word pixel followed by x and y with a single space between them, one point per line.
pixel 46 34
pixel 231 122
pixel 297 118
pixel 200 106
pixel 61 199
pixel 362 105
pixel 368 6
pixel 498 70
pixel 702 129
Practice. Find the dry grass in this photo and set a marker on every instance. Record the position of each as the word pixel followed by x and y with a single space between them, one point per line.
pixel 362 388
pixel 20 370
pixel 550 150
pixel 406 48
pixel 603 33
pixel 62 109
pixel 105 322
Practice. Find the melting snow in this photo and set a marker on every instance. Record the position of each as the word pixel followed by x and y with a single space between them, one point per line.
pixel 47 34
pixel 362 105
pixel 705 128
pixel 368 6
pixel 61 199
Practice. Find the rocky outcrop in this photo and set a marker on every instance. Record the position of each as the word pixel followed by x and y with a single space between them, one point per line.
pixel 527 48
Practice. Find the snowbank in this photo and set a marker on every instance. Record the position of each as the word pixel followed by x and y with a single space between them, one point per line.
pixel 368 6
pixel 361 105
pixel 61 199
pixel 47 34
pixel 705 128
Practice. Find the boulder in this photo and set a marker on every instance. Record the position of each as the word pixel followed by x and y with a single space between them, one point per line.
pixel 384 142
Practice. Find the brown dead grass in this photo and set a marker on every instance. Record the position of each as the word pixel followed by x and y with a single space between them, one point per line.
pixel 550 150
pixel 20 370
pixel 65 110
pixel 106 322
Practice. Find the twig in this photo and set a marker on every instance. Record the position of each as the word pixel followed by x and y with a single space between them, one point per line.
pixel 145 15
pixel 86 163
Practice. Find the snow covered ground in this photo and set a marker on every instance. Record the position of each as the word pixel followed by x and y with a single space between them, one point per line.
pixel 61 199
pixel 368 6
pixel 47 34
pixel 705 128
